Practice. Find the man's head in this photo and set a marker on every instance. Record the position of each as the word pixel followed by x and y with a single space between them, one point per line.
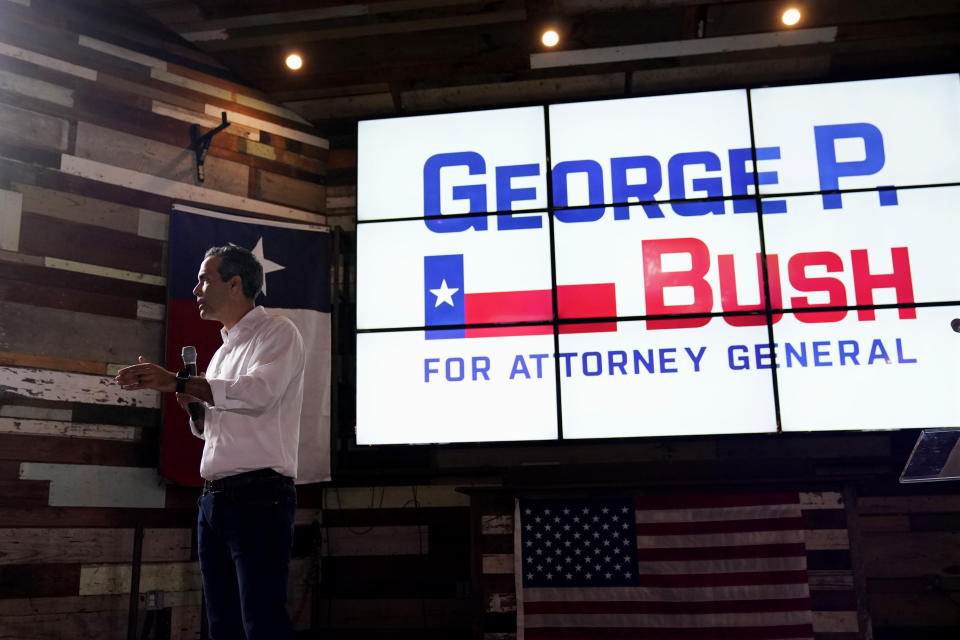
pixel 229 280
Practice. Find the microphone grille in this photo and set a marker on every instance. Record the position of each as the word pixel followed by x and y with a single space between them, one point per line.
pixel 189 354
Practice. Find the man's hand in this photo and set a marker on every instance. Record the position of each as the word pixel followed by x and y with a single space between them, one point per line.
pixel 183 399
pixel 146 375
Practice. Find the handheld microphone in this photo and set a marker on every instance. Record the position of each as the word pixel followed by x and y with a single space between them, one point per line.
pixel 189 355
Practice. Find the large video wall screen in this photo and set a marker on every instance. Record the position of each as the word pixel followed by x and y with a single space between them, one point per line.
pixel 746 261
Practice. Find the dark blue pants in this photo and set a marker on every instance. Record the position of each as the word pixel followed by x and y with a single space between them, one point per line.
pixel 244 541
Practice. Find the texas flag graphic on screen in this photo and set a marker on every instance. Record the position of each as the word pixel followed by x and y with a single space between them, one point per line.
pixel 447 301
pixel 296 266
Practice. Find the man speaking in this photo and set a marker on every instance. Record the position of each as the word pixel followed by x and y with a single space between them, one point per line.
pixel 251 399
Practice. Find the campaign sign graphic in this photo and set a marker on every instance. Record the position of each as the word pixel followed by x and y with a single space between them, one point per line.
pixel 867 253
pixel 665 285
pixel 414 390
pixel 857 135
pixel 643 149
pixel 398 280
pixel 453 163
pixel 887 373
pixel 638 382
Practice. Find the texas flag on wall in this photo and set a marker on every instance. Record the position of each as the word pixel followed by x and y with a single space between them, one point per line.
pixel 296 267
pixel 447 302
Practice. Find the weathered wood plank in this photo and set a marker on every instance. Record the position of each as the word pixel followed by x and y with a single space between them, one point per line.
pixel 198 116
pixel 56 179
pixel 105 579
pixel 376 541
pixel 28 412
pixel 458 517
pixel 37 273
pixel 821 500
pixel 270 127
pixel 297 193
pixel 23 493
pixel 400 613
pixel 69 545
pixel 433 575
pixel 95 484
pixel 916 609
pixel 827 539
pixel 23 426
pixel 501 602
pixel 103 625
pixel 99 171
pixel 20 126
pixel 45 449
pixel 77 208
pixel 121 52
pixel 835 621
pixel 49 62
pixel 65 604
pixel 84 243
pixel 11 206
pixel 493 563
pixel 395 497
pixel 151 224
pixel 873 524
pixel 12 257
pixel 58 517
pixel 894 555
pixel 908 504
pixel 185 622
pixel 496 525
pixel 81 336
pixel 191 84
pixel 34 88
pixel 70 299
pixel 158 159
pixel 103 271
pixel 21 581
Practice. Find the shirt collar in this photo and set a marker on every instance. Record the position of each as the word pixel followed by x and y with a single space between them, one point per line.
pixel 247 324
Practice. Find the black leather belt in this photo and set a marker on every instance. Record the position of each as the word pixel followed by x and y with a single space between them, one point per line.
pixel 246 479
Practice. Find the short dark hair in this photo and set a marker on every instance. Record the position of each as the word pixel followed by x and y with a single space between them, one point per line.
pixel 237 261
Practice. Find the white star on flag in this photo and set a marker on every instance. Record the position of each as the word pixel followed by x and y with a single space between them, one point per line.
pixel 444 294
pixel 269 266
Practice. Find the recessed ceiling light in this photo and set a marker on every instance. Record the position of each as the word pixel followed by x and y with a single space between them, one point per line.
pixel 791 17
pixel 550 38
pixel 294 61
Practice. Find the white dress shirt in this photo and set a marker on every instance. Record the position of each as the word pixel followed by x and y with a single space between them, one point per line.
pixel 256 377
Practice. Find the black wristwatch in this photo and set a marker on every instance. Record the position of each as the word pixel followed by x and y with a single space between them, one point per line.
pixel 182 377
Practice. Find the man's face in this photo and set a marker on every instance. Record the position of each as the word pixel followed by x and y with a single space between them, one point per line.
pixel 211 291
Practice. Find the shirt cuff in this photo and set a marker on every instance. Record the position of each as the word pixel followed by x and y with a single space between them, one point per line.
pixel 195 430
pixel 218 389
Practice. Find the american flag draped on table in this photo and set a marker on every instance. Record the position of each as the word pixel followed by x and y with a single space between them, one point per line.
pixel 697 567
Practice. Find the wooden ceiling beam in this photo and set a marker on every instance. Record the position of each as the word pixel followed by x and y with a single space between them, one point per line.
pixel 317 15
pixel 410 26
pixel 683 48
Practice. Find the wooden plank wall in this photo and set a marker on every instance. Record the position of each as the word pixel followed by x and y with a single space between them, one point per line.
pixel 395 563
pixel 94 134
pixel 911 561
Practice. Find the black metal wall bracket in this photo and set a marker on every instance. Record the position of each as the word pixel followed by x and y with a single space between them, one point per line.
pixel 201 143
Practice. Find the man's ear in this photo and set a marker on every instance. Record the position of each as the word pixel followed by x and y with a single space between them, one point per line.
pixel 236 282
